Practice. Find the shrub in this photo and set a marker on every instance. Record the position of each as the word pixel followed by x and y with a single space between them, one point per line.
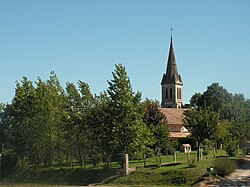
pixel 173 177
pixel 8 162
pixel 231 148
pixel 224 166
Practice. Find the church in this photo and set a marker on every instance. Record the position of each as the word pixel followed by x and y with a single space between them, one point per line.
pixel 172 97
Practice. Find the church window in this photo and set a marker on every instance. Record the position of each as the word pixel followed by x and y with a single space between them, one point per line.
pixel 166 93
pixel 171 93
pixel 178 93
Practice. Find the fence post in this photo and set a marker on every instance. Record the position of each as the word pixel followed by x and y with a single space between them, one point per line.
pixel 126 170
pixel 175 156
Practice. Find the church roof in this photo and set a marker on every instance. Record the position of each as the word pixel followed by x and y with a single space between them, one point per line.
pixel 171 75
pixel 174 116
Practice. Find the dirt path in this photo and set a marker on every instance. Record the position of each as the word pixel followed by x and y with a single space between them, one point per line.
pixel 241 177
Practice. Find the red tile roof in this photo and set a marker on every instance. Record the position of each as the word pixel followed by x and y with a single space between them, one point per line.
pixel 175 122
pixel 173 115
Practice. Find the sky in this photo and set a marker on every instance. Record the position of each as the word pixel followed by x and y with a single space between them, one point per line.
pixel 84 39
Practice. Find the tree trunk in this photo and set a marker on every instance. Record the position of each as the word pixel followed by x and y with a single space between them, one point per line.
pixel 108 161
pixel 198 152
pixel 144 161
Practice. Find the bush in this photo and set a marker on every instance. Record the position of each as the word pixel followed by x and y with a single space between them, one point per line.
pixel 8 162
pixel 231 148
pixel 173 177
pixel 224 166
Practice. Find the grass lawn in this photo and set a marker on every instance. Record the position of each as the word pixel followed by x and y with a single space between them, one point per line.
pixel 170 173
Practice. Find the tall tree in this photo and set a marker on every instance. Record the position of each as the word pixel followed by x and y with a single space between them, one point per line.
pixel 79 105
pixel 202 124
pixel 129 133
pixel 2 134
pixel 49 120
pixel 19 117
pixel 101 125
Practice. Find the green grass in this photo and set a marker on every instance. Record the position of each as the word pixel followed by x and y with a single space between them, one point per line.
pixel 57 176
pixel 169 174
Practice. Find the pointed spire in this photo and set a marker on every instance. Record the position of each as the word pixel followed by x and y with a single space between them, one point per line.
pixel 172 75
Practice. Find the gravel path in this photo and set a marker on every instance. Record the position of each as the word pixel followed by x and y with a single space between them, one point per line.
pixel 241 177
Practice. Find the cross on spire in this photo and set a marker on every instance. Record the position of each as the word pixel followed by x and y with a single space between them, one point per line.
pixel 171 29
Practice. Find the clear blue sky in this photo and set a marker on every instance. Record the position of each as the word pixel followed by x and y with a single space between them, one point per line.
pixel 83 39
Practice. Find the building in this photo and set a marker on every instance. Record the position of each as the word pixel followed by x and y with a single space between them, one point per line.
pixel 172 97
pixel 174 118
pixel 171 83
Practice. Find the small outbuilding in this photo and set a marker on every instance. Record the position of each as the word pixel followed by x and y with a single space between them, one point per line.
pixel 186 148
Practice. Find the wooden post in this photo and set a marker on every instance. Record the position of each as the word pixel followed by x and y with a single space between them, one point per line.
pixel 214 152
pixel 175 156
pixel 126 170
pixel 221 146
pixel 201 153
pixel 188 156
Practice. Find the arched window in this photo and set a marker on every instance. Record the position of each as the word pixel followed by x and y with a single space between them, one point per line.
pixel 171 93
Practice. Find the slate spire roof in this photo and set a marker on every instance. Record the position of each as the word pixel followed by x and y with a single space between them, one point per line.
pixel 171 75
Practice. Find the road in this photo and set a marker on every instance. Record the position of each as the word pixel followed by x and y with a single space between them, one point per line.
pixel 241 177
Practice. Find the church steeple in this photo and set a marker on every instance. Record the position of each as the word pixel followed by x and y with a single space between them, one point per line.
pixel 171 82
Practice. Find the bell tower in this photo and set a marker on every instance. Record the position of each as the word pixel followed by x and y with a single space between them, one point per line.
pixel 171 83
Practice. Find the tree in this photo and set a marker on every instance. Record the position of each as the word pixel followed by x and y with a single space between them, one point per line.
pixel 129 133
pixel 78 107
pixel 157 124
pixel 233 109
pixel 34 121
pixel 152 114
pixel 201 123
pixel 101 125
pixel 161 139
pixel 196 100
pixel 48 120
pixel 2 134
pixel 222 131
pixel 18 118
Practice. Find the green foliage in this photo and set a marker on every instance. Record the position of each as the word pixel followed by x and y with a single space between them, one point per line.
pixel 61 176
pixel 232 148
pixel 230 107
pixel 79 133
pixel 8 161
pixel 150 178
pixel 233 108
pixel 201 123
pixel 152 114
pixel 45 124
pixel 129 133
pixel 157 124
pixel 224 166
